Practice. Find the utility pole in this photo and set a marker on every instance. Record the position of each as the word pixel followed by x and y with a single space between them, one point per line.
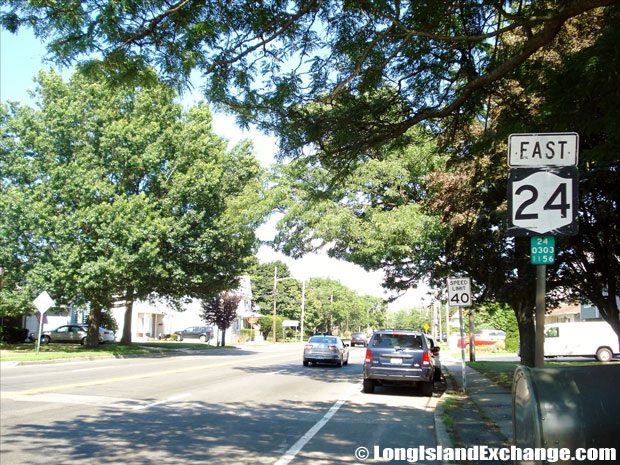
pixel 275 292
pixel 303 305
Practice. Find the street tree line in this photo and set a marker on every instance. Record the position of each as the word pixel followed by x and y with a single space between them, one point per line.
pixel 329 306
pixel 393 120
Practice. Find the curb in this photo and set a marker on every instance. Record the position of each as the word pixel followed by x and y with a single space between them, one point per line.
pixel 441 433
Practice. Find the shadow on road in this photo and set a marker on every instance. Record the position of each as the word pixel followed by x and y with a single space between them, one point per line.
pixel 200 432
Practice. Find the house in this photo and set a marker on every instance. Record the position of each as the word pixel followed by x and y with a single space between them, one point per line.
pixel 572 313
pixel 154 319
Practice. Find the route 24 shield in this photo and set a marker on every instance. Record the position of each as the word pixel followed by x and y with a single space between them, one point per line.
pixel 542 201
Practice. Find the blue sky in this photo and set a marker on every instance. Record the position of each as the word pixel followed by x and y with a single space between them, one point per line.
pixel 21 58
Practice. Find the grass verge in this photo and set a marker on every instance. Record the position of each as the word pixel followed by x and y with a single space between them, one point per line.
pixel 26 352
pixel 503 372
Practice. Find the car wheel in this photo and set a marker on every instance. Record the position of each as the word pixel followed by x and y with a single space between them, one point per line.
pixel 45 340
pixel 369 386
pixel 305 363
pixel 427 388
pixel 83 341
pixel 203 338
pixel 604 354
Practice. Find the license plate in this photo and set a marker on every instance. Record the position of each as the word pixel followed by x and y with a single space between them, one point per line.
pixel 396 361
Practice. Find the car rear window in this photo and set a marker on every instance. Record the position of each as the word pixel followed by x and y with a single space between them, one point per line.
pixel 323 340
pixel 401 341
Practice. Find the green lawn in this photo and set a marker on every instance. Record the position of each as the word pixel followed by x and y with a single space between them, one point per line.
pixel 26 352
pixel 502 372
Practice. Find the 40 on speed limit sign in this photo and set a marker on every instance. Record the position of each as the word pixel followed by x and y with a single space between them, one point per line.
pixel 542 201
pixel 459 292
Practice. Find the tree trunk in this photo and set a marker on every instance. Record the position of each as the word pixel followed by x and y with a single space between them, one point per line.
pixel 609 311
pixel 126 338
pixel 92 340
pixel 527 334
pixel 223 337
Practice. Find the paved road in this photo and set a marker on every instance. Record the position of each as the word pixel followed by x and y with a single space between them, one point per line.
pixel 257 405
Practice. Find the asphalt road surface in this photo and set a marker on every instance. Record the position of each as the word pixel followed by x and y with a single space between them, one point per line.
pixel 245 406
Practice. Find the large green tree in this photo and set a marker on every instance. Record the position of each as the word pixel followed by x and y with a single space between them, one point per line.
pixel 377 67
pixel 110 193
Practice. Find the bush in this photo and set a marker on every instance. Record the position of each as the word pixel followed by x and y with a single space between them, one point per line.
pixel 266 325
pixel 13 334
pixel 246 334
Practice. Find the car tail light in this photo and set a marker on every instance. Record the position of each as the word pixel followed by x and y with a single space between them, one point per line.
pixel 333 348
pixel 368 356
pixel 426 359
pixel 308 347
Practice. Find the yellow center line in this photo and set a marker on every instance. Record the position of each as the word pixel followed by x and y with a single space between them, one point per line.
pixel 11 394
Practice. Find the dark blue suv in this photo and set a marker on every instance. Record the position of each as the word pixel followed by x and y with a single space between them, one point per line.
pixel 399 357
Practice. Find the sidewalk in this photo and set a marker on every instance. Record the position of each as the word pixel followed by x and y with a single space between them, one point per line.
pixel 483 417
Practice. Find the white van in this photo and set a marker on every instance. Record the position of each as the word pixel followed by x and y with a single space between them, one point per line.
pixel 588 339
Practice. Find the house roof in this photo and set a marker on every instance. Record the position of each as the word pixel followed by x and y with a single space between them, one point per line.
pixel 566 309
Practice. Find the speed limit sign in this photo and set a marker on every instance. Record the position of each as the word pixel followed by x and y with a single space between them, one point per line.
pixel 459 292
pixel 542 201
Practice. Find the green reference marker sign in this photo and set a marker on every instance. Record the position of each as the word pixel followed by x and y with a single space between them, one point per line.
pixel 543 250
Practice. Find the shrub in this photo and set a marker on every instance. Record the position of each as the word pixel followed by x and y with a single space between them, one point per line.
pixel 246 334
pixel 266 325
pixel 13 334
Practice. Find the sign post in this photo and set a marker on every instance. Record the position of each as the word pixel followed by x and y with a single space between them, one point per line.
pixel 43 303
pixel 459 295
pixel 542 200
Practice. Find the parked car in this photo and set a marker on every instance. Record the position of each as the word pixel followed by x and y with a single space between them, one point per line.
pixel 106 335
pixel 359 338
pixel 68 333
pixel 203 333
pixel 590 339
pixel 435 351
pixel 326 349
pixel 399 357
pixel 485 337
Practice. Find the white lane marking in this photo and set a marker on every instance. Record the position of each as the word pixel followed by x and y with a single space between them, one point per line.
pixel 290 454
pixel 91 369
pixel 57 398
pixel 165 401
pixel 275 372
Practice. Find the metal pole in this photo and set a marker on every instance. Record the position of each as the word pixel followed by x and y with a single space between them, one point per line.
pixel 539 358
pixel 472 336
pixel 463 366
pixel 447 323
pixel 303 305
pixel 438 340
pixel 275 291
pixel 39 332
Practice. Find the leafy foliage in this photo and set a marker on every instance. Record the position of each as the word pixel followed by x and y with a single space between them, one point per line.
pixel 376 68
pixel 118 192
pixel 221 311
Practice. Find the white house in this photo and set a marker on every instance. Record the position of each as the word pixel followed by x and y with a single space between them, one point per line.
pixel 151 320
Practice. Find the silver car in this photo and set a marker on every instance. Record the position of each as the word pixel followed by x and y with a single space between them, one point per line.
pixel 68 333
pixel 326 349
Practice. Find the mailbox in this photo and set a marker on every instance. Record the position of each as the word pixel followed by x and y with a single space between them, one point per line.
pixel 566 407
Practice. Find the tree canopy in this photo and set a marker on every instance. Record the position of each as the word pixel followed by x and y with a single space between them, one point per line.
pixel 109 193
pixel 375 68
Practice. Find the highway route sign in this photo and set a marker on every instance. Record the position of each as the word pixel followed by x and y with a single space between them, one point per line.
pixel 542 201
pixel 543 150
